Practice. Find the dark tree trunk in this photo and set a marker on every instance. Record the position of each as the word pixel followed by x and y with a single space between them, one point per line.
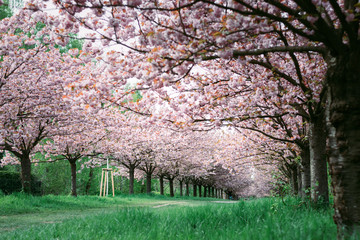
pixel 213 192
pixel 181 187
pixel 131 180
pixel 194 189
pixel 200 194
pixel 171 185
pixel 294 179
pixel 26 173
pixel 344 138
pixel 121 183
pixel 148 183
pixel 88 184
pixel 305 172
pixel 299 180
pixel 161 180
pixel 205 188
pixel 318 168
pixel 187 192
pixel 73 177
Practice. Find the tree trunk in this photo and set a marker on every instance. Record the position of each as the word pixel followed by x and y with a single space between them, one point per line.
pixel 200 194
pixel 187 192
pixel 148 183
pixel 88 184
pixel 131 180
pixel 161 180
pixel 299 181
pixel 205 188
pixel 121 184
pixel 294 179
pixel 194 190
pixel 26 173
pixel 344 139
pixel 73 178
pixel 181 187
pixel 305 172
pixel 171 185
pixel 318 168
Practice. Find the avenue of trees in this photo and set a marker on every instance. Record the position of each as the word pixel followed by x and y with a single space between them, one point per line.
pixel 203 92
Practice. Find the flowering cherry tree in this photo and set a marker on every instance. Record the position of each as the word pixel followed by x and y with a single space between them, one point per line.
pixel 75 142
pixel 168 39
pixel 34 79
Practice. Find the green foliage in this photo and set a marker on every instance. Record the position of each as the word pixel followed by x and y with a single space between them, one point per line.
pixel 137 96
pixel 280 187
pixel 54 176
pixel 73 43
pixel 10 182
pixel 5 10
pixel 267 218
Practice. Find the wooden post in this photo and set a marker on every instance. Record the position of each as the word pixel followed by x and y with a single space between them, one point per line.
pixel 104 180
pixel 101 183
pixel 112 182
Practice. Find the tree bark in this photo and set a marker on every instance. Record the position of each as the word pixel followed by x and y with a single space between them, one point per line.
pixel 294 179
pixel 299 180
pixel 187 192
pixel 73 178
pixel 161 181
pixel 200 194
pixel 181 187
pixel 205 188
pixel 148 183
pixel 194 189
pixel 26 173
pixel 131 180
pixel 171 185
pixel 318 168
pixel 88 184
pixel 305 172
pixel 344 139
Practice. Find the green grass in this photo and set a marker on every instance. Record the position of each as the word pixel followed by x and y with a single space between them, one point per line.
pixel 22 203
pixel 135 218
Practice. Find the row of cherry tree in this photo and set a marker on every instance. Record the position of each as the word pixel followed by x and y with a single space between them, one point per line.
pixel 281 69
pixel 284 68
pixel 60 104
pixel 88 88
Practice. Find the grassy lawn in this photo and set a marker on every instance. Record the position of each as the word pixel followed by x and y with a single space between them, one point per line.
pixel 157 217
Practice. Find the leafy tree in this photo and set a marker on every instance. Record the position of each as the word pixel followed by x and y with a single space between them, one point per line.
pixel 5 10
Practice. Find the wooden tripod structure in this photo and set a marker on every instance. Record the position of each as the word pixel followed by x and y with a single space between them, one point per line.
pixel 105 181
